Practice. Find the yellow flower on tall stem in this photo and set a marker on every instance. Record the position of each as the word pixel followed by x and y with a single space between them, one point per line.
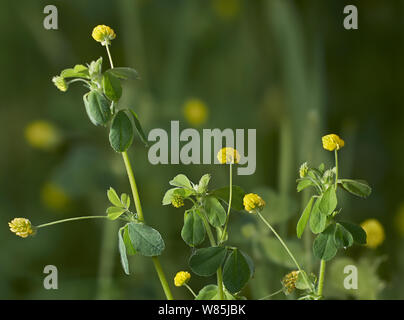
pixel 103 34
pixel 332 142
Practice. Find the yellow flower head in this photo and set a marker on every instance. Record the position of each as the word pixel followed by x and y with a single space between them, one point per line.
pixel 195 112
pixel 289 281
pixel 103 34
pixel 54 197
pixel 374 231
pixel 303 170
pixel 177 201
pixel 21 227
pixel 228 155
pixel 181 278
pixel 332 142
pixel 42 135
pixel 60 83
pixel 253 202
pixel 399 220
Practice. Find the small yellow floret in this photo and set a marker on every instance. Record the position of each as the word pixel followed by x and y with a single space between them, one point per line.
pixel 228 155
pixel 177 201
pixel 21 227
pixel 103 34
pixel 60 83
pixel 374 231
pixel 332 142
pixel 289 281
pixel 253 202
pixel 181 278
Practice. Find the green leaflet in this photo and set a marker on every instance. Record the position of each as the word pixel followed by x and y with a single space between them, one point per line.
pixel 122 252
pixel 301 225
pixel 342 237
pixel 124 73
pixel 193 231
pixel 121 132
pixel 318 220
pixel 206 261
pixel 215 212
pixel 328 201
pixel 237 270
pixel 145 240
pixel 237 196
pixel 355 187
pixel 97 107
pixel 111 87
pixel 324 246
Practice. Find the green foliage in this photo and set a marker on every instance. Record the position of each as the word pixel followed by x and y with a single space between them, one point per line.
pixel 120 205
pixel 97 108
pixel 206 261
pixel 355 187
pixel 79 71
pixel 193 231
pixel 358 234
pixel 145 240
pixel 139 128
pixel 301 225
pixel 111 87
pixel 318 220
pixel 122 252
pixel 211 292
pixel 342 237
pixel 214 211
pixel 328 201
pixel 124 73
pixel 181 181
pixel 121 132
pixel 324 247
pixel 237 196
pixel 237 270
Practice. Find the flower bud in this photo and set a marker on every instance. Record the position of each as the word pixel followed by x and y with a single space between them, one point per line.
pixel 21 227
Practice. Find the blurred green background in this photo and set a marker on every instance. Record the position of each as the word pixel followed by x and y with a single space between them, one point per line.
pixel 286 68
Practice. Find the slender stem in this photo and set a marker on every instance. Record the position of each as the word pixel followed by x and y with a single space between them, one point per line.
pixel 162 278
pixel 336 169
pixel 271 295
pixel 133 185
pixel 139 210
pixel 109 56
pixel 70 219
pixel 229 207
pixel 285 246
pixel 220 283
pixel 213 244
pixel 321 279
pixel 189 288
pixel 208 231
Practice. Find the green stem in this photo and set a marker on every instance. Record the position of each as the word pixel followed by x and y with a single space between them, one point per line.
pixel 271 295
pixel 139 210
pixel 286 247
pixel 109 56
pixel 229 207
pixel 321 279
pixel 213 244
pixel 70 219
pixel 336 169
pixel 133 185
pixel 189 288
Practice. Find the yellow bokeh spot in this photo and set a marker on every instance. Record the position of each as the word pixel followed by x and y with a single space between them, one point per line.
pixel 54 197
pixel 226 9
pixel 42 135
pixel 195 112
pixel 399 220
pixel 374 231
